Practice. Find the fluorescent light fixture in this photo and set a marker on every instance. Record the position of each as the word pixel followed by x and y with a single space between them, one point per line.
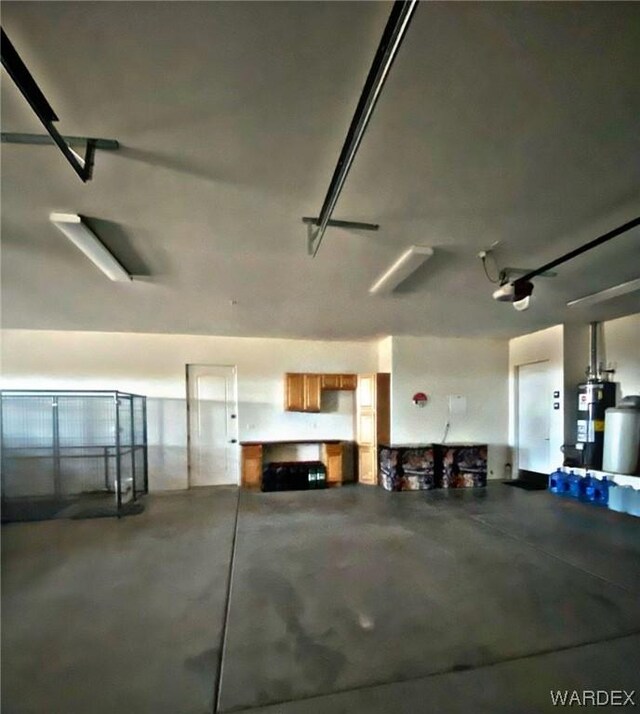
pixel 406 264
pixel 629 287
pixel 79 233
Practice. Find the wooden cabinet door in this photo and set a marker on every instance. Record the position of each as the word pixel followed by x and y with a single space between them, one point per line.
pixel 348 382
pixel 366 393
pixel 252 466
pixel 366 428
pixel 332 459
pixel 383 408
pixel 367 465
pixel 331 381
pixel 312 392
pixel 294 392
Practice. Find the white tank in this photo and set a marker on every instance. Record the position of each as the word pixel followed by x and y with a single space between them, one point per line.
pixel 622 437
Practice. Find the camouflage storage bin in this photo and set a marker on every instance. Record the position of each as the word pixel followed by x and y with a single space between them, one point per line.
pixel 407 468
pixel 463 466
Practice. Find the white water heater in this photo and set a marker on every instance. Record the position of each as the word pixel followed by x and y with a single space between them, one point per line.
pixel 622 437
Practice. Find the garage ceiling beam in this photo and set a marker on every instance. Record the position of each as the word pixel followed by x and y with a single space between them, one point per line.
pixel 27 85
pixel 392 37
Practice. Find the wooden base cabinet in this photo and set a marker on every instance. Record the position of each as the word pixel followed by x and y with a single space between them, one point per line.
pixel 332 458
pixel 332 455
pixel 367 465
pixel 252 465
pixel 372 422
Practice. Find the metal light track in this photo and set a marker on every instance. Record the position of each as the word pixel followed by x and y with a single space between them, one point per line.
pixel 312 223
pixel 8 137
pixel 334 223
pixel 582 249
pixel 392 37
pixel 18 71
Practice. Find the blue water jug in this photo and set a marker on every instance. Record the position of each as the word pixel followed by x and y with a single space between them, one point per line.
pixel 596 491
pixel 601 491
pixel 565 483
pixel 576 486
pixel 589 486
pixel 557 481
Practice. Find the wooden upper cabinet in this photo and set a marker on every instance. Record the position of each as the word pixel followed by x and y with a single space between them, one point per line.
pixel 312 392
pixel 347 382
pixel 302 392
pixel 294 392
pixel 331 381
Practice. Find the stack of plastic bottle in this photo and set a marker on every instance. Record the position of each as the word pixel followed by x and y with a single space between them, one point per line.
pixel 598 491
pixel 625 499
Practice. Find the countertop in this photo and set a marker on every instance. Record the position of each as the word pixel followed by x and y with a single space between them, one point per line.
pixel 291 441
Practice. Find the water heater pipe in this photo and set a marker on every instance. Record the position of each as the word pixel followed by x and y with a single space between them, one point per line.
pixel 593 357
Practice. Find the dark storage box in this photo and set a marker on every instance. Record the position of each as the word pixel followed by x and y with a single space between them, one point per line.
pixel 294 476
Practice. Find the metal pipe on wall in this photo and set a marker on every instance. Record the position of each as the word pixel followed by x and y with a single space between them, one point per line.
pixel 593 355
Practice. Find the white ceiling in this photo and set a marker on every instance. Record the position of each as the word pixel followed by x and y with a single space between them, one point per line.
pixel 517 122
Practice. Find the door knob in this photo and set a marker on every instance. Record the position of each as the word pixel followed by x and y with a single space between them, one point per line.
pixel 233 441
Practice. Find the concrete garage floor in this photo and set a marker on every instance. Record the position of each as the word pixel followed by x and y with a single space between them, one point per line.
pixel 348 600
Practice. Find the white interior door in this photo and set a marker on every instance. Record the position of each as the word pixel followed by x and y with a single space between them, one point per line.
pixel 213 425
pixel 533 417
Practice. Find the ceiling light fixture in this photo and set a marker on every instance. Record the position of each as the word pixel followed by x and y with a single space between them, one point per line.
pixel 401 269
pixel 629 287
pixel 79 233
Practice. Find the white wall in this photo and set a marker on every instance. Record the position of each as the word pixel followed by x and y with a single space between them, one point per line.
pixel 576 353
pixel 566 347
pixel 621 349
pixel 473 368
pixel 154 365
pixel 544 345
pixel 385 355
